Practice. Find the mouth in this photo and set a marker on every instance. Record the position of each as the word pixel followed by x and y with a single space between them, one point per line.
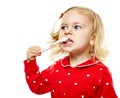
pixel 69 41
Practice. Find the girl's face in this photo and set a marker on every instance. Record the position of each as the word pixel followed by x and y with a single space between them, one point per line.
pixel 77 27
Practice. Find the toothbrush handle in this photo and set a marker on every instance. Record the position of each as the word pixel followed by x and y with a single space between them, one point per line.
pixel 46 48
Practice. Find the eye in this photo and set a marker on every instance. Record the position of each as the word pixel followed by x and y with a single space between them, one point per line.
pixel 77 27
pixel 64 27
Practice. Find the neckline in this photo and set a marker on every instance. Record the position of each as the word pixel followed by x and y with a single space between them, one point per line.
pixel 65 62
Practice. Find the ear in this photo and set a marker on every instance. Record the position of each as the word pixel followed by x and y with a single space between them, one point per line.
pixel 91 42
pixel 92 39
pixel 93 36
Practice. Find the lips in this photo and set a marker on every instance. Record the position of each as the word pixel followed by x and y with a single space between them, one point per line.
pixel 69 41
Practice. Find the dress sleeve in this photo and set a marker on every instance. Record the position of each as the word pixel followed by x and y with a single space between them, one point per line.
pixel 37 82
pixel 107 89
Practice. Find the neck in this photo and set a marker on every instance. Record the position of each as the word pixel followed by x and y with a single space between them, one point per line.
pixel 78 59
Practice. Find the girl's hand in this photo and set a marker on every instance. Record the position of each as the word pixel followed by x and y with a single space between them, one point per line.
pixel 33 52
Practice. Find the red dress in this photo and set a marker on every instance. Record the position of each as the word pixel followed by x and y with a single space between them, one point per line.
pixel 90 79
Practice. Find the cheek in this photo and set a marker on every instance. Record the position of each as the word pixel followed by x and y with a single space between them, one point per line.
pixel 83 39
pixel 83 36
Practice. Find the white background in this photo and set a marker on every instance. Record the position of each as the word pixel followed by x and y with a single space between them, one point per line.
pixel 24 23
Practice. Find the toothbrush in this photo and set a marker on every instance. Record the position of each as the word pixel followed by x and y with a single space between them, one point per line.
pixel 57 42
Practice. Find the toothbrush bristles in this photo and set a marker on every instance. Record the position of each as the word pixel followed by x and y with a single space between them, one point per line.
pixel 57 42
pixel 61 40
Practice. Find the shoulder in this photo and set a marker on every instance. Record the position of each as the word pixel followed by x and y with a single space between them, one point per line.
pixel 103 69
pixel 102 66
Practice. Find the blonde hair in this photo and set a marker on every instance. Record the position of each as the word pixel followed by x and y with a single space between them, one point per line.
pixel 98 50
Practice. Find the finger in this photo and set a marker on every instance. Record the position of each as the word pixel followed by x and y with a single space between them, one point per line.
pixel 36 48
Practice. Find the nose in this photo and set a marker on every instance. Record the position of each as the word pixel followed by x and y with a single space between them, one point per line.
pixel 68 32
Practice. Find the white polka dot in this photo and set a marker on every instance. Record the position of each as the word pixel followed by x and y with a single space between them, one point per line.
pixel 82 96
pixel 41 84
pixel 101 69
pixel 68 74
pixel 75 83
pixel 60 82
pixel 53 90
pixel 64 94
pixel 46 80
pixel 28 77
pixel 107 83
pixel 101 97
pixel 99 80
pixel 57 70
pixel 88 75
pixel 94 87
pixel 34 81
pixel 37 72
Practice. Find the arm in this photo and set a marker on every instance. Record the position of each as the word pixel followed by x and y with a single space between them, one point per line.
pixel 37 82
pixel 107 89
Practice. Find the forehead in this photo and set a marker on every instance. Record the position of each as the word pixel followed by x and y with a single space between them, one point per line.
pixel 76 16
pixel 84 11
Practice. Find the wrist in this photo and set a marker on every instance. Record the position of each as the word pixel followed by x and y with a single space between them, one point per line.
pixel 30 59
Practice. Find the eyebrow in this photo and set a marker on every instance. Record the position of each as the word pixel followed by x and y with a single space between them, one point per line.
pixel 73 23
pixel 64 24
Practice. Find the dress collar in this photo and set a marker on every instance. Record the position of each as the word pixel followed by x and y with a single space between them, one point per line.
pixel 65 62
